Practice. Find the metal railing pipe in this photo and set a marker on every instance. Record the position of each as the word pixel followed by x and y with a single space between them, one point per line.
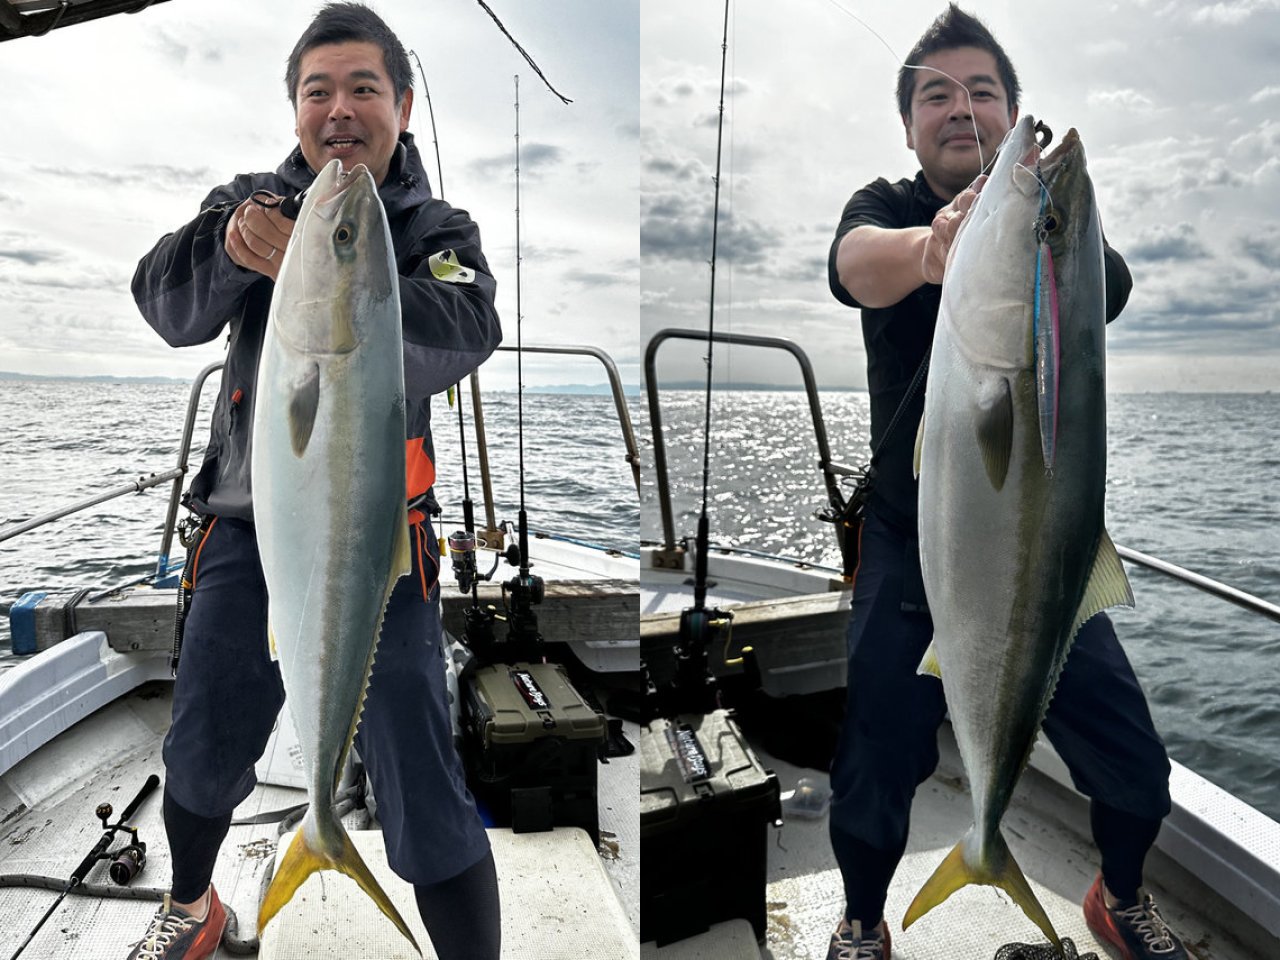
pixel 615 386
pixel 138 486
pixel 829 469
pixel 184 450
pixel 1201 582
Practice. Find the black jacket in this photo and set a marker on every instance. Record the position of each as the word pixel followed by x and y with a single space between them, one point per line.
pixel 189 291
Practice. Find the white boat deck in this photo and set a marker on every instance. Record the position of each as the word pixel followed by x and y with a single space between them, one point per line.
pixel 1215 870
pixel 47 825
pixel 1047 827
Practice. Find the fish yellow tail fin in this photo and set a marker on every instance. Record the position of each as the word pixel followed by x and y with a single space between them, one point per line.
pixel 1001 871
pixel 301 860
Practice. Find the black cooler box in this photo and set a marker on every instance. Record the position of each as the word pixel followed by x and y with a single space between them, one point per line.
pixel 533 747
pixel 705 807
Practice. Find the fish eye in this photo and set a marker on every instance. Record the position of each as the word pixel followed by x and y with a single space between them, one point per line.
pixel 1051 222
pixel 343 235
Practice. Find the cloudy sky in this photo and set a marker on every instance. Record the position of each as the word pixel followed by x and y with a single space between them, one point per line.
pixel 115 131
pixel 1177 102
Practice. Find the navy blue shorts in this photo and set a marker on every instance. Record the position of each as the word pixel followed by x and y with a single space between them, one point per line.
pixel 1098 719
pixel 228 693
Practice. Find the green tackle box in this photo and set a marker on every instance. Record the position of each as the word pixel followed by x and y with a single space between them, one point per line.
pixel 706 803
pixel 532 744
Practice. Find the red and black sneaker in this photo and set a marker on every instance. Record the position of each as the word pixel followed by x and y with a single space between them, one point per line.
pixel 850 943
pixel 175 934
pixel 1131 931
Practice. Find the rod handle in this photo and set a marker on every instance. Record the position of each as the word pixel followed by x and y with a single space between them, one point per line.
pixel 148 788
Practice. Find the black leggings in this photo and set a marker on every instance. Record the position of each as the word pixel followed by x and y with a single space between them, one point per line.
pixel 1123 841
pixel 461 914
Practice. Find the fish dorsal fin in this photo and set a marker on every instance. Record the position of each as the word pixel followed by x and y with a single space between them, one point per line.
pixel 1108 584
pixel 995 430
pixel 919 453
pixel 929 666
pixel 304 400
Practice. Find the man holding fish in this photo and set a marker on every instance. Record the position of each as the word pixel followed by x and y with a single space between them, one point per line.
pixel 336 410
pixel 1011 466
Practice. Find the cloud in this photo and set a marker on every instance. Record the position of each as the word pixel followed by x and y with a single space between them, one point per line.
pixel 1127 99
pixel 1233 12
pixel 700 84
pixel 1189 310
pixel 31 258
pixel 669 169
pixel 1266 93
pixel 139 175
pixel 535 159
pixel 673 229
pixel 1263 249
pixel 589 278
pixel 1160 242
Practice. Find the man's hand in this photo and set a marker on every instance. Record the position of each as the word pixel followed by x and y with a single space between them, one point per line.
pixel 946 224
pixel 256 238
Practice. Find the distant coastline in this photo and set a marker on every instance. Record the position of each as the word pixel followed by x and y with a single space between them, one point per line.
pixel 582 389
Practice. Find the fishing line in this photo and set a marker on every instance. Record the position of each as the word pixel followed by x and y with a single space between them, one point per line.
pixel 982 163
pixel 729 220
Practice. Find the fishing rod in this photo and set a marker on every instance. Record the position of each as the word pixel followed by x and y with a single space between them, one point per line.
pixel 461 544
pixel 526 589
pixel 693 687
pixel 126 862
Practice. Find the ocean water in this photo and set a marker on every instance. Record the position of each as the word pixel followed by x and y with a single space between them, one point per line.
pixel 65 440
pixel 1191 479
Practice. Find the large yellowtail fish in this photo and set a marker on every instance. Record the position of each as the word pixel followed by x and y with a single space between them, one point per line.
pixel 1012 464
pixel 329 494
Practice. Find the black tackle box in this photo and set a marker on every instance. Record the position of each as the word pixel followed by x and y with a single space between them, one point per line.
pixel 706 804
pixel 533 746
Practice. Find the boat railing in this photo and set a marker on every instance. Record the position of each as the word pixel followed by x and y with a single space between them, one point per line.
pixel 831 470
pixel 174 476
pixel 668 555
pixel 615 387
pixel 492 536
pixel 182 467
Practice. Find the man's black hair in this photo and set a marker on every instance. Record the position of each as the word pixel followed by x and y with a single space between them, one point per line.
pixel 955 28
pixel 347 23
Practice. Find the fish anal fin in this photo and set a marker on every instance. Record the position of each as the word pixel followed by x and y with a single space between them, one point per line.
pixel 999 870
pixel 1108 584
pixel 304 400
pixel 301 860
pixel 994 424
pixel 402 552
pixel 929 665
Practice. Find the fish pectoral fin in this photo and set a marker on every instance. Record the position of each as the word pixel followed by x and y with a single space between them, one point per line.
pixel 919 451
pixel 929 666
pixel 304 400
pixel 301 860
pixel 272 649
pixel 1000 870
pixel 995 430
pixel 1108 583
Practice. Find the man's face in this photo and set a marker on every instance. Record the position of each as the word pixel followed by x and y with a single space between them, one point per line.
pixel 940 130
pixel 347 108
